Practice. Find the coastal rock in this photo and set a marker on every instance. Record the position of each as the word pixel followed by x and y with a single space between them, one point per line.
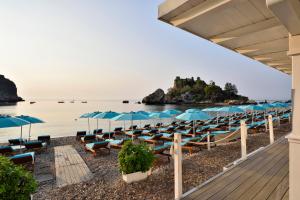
pixel 8 91
pixel 157 97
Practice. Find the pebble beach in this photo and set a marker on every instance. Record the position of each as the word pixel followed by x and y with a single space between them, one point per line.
pixel 107 183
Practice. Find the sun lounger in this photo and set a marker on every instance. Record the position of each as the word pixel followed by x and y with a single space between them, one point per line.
pixel 161 150
pixel 106 135
pixel 25 159
pixel 167 136
pixel 150 132
pixel 185 132
pixel 134 133
pixel 184 146
pixel 80 134
pixel 96 146
pixel 151 139
pixel 98 131
pixel 35 145
pixel 133 127
pixel 17 141
pixel 167 129
pixel 117 144
pixel 6 150
pixel 44 138
pixel 147 126
pixel 88 138
pixel 118 129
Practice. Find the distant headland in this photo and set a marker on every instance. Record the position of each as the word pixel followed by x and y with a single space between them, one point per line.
pixel 8 91
pixel 191 91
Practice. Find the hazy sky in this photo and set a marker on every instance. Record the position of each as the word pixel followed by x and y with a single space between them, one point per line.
pixel 115 49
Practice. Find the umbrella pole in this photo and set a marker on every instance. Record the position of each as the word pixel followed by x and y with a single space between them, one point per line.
pixel 132 130
pixel 21 138
pixel 194 130
pixel 89 125
pixel 109 129
pixel 97 124
pixel 29 131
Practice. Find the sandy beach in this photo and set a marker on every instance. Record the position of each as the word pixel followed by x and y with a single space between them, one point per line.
pixel 107 182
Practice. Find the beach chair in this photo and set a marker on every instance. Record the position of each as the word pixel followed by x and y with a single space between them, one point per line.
pixel 134 133
pixel 35 145
pixel 106 135
pixel 118 130
pixel 151 139
pixel 133 127
pixel 88 138
pixel 150 132
pixel 96 146
pixel 80 134
pixel 167 136
pixel 98 131
pixel 25 159
pixel 117 144
pixel 6 150
pixel 158 125
pixel 16 141
pixel 147 126
pixel 167 129
pixel 161 150
pixel 44 138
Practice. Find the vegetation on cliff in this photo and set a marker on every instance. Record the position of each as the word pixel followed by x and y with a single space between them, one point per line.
pixel 189 90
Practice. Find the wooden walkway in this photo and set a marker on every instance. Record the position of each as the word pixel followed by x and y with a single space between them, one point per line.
pixel 262 176
pixel 70 167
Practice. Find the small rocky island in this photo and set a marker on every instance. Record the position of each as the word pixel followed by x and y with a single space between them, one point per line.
pixel 191 91
pixel 8 91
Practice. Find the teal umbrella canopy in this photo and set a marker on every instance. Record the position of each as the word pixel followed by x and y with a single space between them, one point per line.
pixel 132 116
pixel 160 115
pixel 231 109
pixel 212 109
pixel 193 110
pixel 8 121
pixel 266 106
pixel 254 108
pixel 90 115
pixel 31 120
pixel 143 112
pixel 192 116
pixel 106 115
pixel 172 112
pixel 280 105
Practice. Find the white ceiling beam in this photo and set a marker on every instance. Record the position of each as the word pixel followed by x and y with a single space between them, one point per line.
pixel 207 6
pixel 288 12
pixel 246 30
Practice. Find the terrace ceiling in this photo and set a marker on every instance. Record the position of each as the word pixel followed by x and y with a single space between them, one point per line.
pixel 245 26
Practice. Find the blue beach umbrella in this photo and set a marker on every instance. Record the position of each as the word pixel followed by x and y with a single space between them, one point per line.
pixel 143 112
pixel 193 110
pixel 172 112
pixel 230 109
pixel 88 116
pixel 106 115
pixel 280 105
pixel 31 120
pixel 132 116
pixel 8 122
pixel 160 116
pixel 254 108
pixel 193 116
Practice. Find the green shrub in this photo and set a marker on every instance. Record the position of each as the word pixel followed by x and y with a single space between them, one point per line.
pixel 135 158
pixel 15 182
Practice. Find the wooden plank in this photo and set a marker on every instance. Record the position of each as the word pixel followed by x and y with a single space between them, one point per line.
pixel 219 183
pixel 257 179
pixel 280 190
pixel 70 167
pixel 260 166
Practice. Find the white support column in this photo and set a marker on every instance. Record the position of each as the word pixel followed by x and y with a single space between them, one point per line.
pixel 271 130
pixel 243 139
pixel 208 141
pixel 294 138
pixel 288 13
pixel 178 166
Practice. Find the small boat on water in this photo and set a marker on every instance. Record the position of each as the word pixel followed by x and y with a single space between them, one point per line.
pixel 32 102
pixel 72 101
pixel 83 101
pixel 61 102
pixel 125 101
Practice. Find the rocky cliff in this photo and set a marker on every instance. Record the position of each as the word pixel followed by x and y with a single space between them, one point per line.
pixel 190 90
pixel 8 91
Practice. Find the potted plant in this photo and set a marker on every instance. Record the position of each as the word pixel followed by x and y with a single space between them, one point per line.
pixel 135 161
pixel 15 181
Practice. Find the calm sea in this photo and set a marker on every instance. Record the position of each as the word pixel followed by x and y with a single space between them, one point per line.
pixel 63 119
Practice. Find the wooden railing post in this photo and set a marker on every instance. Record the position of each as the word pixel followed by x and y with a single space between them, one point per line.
pixel 271 129
pixel 243 139
pixel 208 141
pixel 178 166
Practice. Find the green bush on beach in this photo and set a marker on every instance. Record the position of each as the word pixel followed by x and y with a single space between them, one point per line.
pixel 16 183
pixel 135 158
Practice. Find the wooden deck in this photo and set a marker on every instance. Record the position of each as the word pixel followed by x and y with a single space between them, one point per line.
pixel 262 176
pixel 70 167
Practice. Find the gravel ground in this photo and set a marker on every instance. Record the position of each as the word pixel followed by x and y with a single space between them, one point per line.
pixel 108 184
